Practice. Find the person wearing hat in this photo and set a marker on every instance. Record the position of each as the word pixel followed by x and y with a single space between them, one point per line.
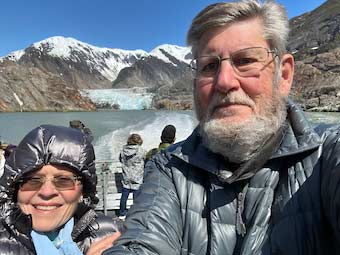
pixel 168 137
pixel 47 195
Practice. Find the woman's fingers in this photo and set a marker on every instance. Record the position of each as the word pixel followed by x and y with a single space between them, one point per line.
pixel 98 247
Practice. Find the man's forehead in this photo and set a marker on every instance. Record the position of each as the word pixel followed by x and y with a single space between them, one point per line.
pixel 230 38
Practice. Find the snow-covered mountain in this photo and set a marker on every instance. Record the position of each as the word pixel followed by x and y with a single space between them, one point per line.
pixel 160 71
pixel 108 62
pixel 82 65
pixel 79 65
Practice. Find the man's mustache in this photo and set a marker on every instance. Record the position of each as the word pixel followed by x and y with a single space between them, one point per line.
pixel 233 97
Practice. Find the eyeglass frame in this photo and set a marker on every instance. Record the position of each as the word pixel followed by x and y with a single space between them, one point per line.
pixel 220 59
pixel 44 179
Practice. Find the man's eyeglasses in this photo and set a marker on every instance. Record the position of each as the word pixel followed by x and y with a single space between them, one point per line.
pixel 246 62
pixel 62 182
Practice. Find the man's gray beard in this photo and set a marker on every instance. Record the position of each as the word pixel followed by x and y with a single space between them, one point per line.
pixel 238 142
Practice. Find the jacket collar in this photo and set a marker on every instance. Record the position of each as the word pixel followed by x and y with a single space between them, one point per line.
pixel 299 137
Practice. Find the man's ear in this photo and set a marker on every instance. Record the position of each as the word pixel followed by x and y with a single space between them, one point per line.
pixel 287 74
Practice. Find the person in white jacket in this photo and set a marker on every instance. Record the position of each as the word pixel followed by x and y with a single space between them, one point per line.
pixel 132 158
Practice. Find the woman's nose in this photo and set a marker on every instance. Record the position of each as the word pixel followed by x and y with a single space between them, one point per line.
pixel 48 188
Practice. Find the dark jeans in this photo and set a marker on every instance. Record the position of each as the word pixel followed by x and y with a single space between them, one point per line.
pixel 124 198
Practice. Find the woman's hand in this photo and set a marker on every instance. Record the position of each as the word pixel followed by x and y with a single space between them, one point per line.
pixel 98 247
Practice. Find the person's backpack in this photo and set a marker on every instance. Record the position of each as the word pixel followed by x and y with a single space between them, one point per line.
pixel 151 153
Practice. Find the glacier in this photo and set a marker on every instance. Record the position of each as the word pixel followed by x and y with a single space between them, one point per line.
pixel 123 99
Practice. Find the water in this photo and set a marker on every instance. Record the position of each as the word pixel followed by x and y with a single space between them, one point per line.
pixel 324 117
pixel 111 128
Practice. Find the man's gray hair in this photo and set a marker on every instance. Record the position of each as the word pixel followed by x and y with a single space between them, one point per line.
pixel 272 15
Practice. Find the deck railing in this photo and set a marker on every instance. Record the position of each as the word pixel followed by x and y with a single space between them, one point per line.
pixel 109 187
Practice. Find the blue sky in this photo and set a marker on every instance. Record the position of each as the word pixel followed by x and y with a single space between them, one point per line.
pixel 124 24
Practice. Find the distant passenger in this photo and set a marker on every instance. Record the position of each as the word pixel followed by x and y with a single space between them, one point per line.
pixel 132 158
pixel 168 137
pixel 81 126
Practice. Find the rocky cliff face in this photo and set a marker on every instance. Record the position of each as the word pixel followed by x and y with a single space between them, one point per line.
pixel 37 90
pixel 317 82
pixel 315 42
pixel 317 31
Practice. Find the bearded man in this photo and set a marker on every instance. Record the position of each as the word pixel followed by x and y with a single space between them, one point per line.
pixel 254 177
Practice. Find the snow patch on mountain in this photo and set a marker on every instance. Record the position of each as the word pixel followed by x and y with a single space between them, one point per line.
pixel 178 52
pixel 14 56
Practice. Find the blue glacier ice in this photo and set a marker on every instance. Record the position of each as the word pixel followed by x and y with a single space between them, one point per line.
pixel 125 99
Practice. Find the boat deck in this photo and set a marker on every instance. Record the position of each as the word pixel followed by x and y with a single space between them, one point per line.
pixel 109 186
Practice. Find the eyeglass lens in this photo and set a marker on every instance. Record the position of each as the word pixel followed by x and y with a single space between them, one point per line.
pixel 60 182
pixel 246 62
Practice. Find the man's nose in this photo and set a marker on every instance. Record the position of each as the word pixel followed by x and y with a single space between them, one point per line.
pixel 226 79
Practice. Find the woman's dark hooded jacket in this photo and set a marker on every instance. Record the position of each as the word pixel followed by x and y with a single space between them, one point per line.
pixel 55 145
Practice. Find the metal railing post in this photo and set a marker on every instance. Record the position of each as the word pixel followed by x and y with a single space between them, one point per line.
pixel 105 173
pixel 109 182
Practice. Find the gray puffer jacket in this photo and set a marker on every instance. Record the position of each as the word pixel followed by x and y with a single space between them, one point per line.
pixel 290 206
pixel 132 158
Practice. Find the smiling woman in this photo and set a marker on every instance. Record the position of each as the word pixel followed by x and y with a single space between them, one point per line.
pixel 51 203
pixel 47 193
